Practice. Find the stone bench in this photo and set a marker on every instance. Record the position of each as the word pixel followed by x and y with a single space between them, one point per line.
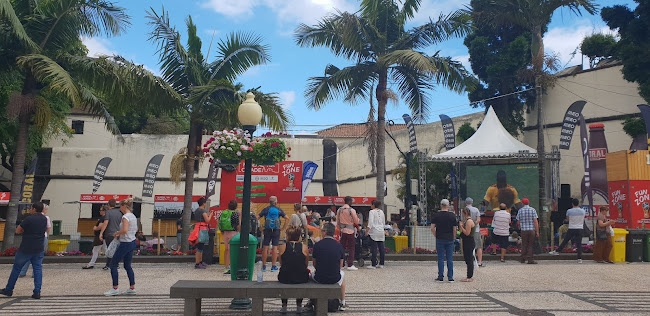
pixel 194 290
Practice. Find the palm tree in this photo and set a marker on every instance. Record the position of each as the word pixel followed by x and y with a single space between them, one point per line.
pixel 535 15
pixel 383 51
pixel 41 40
pixel 209 98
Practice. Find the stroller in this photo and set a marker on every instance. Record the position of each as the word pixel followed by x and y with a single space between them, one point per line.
pixel 362 248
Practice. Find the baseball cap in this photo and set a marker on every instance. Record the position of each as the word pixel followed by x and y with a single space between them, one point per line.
pixel 444 202
pixel 469 200
pixel 525 201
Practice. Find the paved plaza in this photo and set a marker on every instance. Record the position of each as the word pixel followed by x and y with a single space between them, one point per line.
pixel 402 288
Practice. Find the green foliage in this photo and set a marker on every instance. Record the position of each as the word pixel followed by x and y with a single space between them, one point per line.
pixel 634 126
pixel 633 48
pixel 465 131
pixel 498 53
pixel 598 47
pixel 139 122
pixel 268 151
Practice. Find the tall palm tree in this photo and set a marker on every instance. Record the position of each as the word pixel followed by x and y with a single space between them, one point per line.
pixel 535 15
pixel 384 53
pixel 41 39
pixel 209 98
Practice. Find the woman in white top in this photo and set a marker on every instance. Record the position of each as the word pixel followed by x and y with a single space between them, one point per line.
pixel 375 230
pixel 126 235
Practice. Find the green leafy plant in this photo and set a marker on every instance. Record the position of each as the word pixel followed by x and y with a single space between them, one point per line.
pixel 229 145
pixel 269 150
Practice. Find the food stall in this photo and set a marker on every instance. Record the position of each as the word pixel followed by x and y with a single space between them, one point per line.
pixel 167 209
pixel 322 204
pixel 85 225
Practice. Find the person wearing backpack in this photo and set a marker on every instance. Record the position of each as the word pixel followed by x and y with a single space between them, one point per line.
pixel 272 218
pixel 229 225
pixel 348 221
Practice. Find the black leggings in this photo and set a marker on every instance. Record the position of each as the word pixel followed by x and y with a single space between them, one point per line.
pixel 468 254
pixel 298 301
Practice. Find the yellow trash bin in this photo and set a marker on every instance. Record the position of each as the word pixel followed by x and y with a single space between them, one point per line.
pixel 618 251
pixel 58 245
pixel 401 242
pixel 222 249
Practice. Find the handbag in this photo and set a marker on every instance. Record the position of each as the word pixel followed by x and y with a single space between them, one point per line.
pixel 204 237
pixel 112 247
pixel 602 234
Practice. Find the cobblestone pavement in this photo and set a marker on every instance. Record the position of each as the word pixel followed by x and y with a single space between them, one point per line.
pixel 403 288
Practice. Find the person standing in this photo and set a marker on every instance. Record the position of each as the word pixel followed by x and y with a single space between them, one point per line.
pixel 603 241
pixel 467 236
pixel 375 231
pixel 229 225
pixel 97 243
pixel 295 258
pixel 576 218
pixel 31 249
pixel 23 272
pixel 528 222
pixel 272 218
pixel 347 221
pixel 112 221
pixel 444 227
pixel 501 229
pixel 126 236
pixel 478 240
pixel 179 233
pixel 299 220
pixel 202 219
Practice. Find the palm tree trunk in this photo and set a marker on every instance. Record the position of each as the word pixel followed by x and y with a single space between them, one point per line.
pixel 17 177
pixel 189 182
pixel 382 99
pixel 538 64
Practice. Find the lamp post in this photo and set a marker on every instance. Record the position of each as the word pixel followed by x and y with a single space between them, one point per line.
pixel 249 114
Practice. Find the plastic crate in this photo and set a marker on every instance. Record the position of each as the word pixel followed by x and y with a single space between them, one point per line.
pixel 58 245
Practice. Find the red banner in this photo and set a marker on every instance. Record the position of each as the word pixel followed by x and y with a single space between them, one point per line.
pixel 283 180
pixel 619 203
pixel 639 203
pixel 103 198
pixel 174 198
pixel 4 197
pixel 336 200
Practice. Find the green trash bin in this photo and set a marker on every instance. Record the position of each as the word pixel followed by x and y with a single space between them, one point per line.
pixel 56 227
pixel 86 246
pixel 646 246
pixel 390 243
pixel 234 256
pixel 634 245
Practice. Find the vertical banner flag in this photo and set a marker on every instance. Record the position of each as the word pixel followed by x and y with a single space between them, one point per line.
pixel 584 140
pixel 308 172
pixel 150 175
pixel 413 143
pixel 27 191
pixel 100 172
pixel 645 112
pixel 571 118
pixel 211 186
pixel 449 131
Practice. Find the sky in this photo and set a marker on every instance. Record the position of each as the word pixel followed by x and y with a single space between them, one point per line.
pixel 291 66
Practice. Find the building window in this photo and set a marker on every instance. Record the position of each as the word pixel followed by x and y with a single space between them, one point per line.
pixel 78 127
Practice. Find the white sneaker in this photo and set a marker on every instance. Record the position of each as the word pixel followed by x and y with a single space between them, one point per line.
pixel 381 266
pixel 353 268
pixel 371 267
pixel 553 253
pixel 579 260
pixel 112 292
pixel 129 292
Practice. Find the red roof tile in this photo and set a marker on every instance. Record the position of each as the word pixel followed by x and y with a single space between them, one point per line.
pixel 353 130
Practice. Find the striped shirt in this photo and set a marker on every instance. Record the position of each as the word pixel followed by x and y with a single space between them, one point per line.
pixel 526 217
pixel 501 223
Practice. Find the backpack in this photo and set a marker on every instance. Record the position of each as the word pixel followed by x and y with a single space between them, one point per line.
pixel 255 226
pixel 225 222
pixel 272 218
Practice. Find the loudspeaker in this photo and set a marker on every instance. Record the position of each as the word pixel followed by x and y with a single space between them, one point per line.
pixel 565 191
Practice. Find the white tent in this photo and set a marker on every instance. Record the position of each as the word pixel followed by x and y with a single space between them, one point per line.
pixel 491 141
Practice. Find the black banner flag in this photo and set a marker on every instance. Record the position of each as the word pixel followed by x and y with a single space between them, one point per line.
pixel 100 172
pixel 211 186
pixel 150 175
pixel 571 118
pixel 449 131
pixel 645 112
pixel 584 140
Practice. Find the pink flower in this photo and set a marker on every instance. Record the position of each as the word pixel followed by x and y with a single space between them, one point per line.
pixel 205 150
pixel 289 148
pixel 238 153
pixel 250 148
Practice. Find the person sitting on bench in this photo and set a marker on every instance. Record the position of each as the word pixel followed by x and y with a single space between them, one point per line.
pixel 327 257
pixel 294 257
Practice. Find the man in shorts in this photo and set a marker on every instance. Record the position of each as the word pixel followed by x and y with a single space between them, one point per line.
pixel 327 258
pixel 501 231
pixel 272 217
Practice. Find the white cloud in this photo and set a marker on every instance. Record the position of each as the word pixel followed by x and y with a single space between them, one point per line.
pixel 232 8
pixel 464 59
pixel 563 41
pixel 98 46
pixel 287 98
pixel 431 9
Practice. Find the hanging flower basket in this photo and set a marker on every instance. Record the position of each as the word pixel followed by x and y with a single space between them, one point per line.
pixel 229 146
pixel 269 150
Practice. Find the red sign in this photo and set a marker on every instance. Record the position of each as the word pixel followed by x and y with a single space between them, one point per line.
pixel 215 212
pixel 596 154
pixel 639 203
pixel 4 197
pixel 619 203
pixel 283 180
pixel 103 198
pixel 174 198
pixel 336 200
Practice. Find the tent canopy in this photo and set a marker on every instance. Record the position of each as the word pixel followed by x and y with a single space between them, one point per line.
pixel 491 141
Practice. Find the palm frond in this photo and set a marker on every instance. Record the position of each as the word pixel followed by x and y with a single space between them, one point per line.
pixel 409 8
pixel 274 116
pixel 8 14
pixel 339 83
pixel 49 72
pixel 238 53
pixel 216 91
pixel 413 86
pixel 452 74
pixel 454 25
pixel 172 56
pixel 94 105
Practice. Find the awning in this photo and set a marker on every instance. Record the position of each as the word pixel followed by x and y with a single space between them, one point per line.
pixel 336 200
pixel 99 198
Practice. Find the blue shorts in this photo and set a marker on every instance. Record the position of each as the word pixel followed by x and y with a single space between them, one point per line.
pixel 271 236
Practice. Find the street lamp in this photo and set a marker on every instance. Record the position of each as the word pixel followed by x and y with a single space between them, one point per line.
pixel 249 114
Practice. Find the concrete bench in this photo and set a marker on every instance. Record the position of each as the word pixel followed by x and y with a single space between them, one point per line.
pixel 194 290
